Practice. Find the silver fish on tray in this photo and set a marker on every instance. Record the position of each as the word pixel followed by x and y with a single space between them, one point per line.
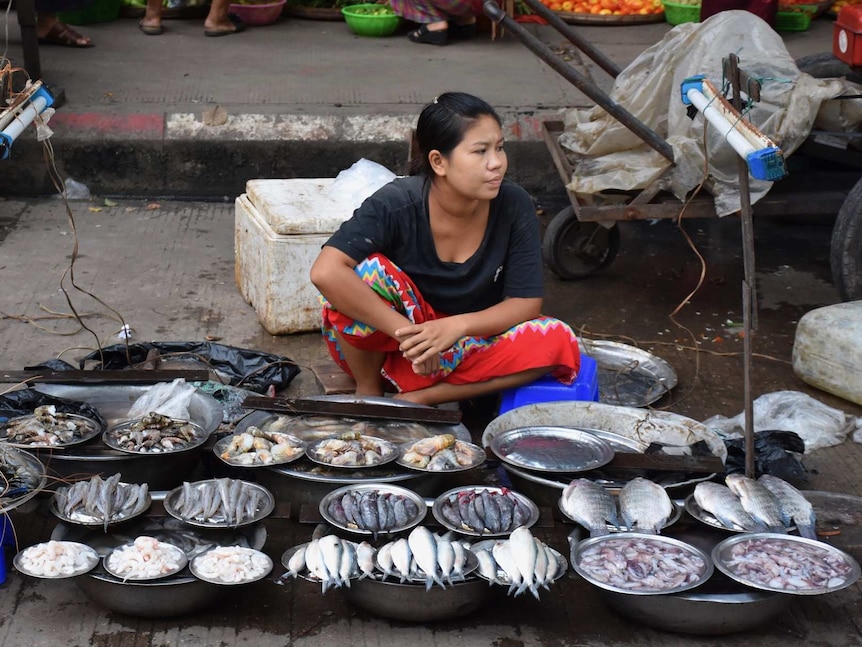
pixel 757 501
pixel 484 511
pixel 100 501
pixel 590 505
pixel 330 560
pixel 644 505
pixel 219 503
pixel 523 563
pixel 794 508
pixel 424 556
pixel 719 501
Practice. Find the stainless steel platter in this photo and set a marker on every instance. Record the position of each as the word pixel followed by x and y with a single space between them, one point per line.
pixel 785 563
pixel 88 560
pixel 380 488
pixel 502 576
pixel 469 456
pixel 263 510
pixel 629 376
pixel 665 546
pixel 672 519
pixel 263 560
pixel 316 453
pixel 551 449
pixel 437 511
pixel 692 507
pixel 83 519
pixel 89 429
pixel 112 436
pixel 224 447
pixel 117 571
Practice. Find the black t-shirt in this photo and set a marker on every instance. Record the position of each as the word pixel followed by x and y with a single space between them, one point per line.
pixel 394 222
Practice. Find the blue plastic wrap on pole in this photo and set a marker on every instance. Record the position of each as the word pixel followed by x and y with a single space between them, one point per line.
pixel 23 116
pixel 765 160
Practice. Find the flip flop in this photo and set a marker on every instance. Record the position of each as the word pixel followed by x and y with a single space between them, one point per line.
pixel 425 35
pixel 151 30
pixel 238 26
pixel 64 36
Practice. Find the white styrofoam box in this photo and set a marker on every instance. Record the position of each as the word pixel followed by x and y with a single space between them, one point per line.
pixel 827 349
pixel 279 229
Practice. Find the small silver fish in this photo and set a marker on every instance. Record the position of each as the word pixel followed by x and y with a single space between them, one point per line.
pixel 645 505
pixel 757 501
pixel 424 547
pixel 365 559
pixel 793 506
pixel 590 505
pixel 525 552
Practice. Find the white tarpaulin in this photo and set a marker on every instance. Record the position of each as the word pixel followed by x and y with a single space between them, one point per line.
pixel 607 155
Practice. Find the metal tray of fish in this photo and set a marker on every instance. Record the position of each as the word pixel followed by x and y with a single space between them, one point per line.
pixel 22 476
pixel 111 565
pixel 531 511
pixel 551 449
pixel 672 519
pixel 457 457
pixel 304 573
pixel 694 509
pixel 352 451
pixel 629 376
pixel 502 576
pixel 785 563
pixel 262 510
pixel 81 518
pixel 358 489
pixel 471 565
pixel 114 436
pixel 84 429
pixel 239 450
pixel 693 566
pixel 36 561
pixel 259 563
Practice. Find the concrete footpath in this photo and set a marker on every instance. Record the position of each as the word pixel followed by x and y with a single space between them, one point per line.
pixel 189 116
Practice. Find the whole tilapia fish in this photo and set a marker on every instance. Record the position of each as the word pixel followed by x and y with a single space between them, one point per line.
pixel 757 501
pixel 793 506
pixel 725 506
pixel 590 505
pixel 644 504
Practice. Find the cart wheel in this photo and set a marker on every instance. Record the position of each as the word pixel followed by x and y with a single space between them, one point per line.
pixel 574 249
pixel 846 248
pixel 826 66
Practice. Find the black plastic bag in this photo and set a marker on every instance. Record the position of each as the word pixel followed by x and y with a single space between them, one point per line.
pixel 23 402
pixel 250 369
pixel 775 453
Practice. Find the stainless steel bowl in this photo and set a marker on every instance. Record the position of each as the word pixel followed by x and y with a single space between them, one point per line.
pixel 703 611
pixel 411 602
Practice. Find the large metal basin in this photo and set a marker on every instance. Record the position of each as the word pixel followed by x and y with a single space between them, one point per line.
pixel 411 602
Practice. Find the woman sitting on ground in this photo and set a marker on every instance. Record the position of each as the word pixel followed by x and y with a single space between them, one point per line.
pixel 435 283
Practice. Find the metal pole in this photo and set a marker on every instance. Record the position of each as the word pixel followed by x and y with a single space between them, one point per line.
pixel 574 37
pixel 749 305
pixel 647 135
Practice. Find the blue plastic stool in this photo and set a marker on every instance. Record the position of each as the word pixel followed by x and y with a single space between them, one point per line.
pixel 547 389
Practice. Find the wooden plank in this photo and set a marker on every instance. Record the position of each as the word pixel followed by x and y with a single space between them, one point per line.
pixel 333 379
pixel 353 410
pixel 123 376
pixel 667 463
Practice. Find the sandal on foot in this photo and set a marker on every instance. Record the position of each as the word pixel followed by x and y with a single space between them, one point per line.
pixel 425 35
pixel 238 26
pixel 463 31
pixel 151 30
pixel 63 35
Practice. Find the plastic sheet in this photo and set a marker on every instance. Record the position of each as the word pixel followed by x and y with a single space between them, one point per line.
pixel 23 402
pixel 250 369
pixel 817 424
pixel 775 452
pixel 607 155
pixel 167 398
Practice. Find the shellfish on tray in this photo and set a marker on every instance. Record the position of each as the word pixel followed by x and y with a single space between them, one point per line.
pixel 155 434
pixel 255 447
pixel 441 453
pixel 47 427
pixel 352 449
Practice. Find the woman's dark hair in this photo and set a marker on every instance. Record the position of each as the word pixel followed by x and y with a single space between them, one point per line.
pixel 442 124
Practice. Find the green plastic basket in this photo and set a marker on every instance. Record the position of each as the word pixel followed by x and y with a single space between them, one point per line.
pixel 795 20
pixel 98 11
pixel 367 24
pixel 676 14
